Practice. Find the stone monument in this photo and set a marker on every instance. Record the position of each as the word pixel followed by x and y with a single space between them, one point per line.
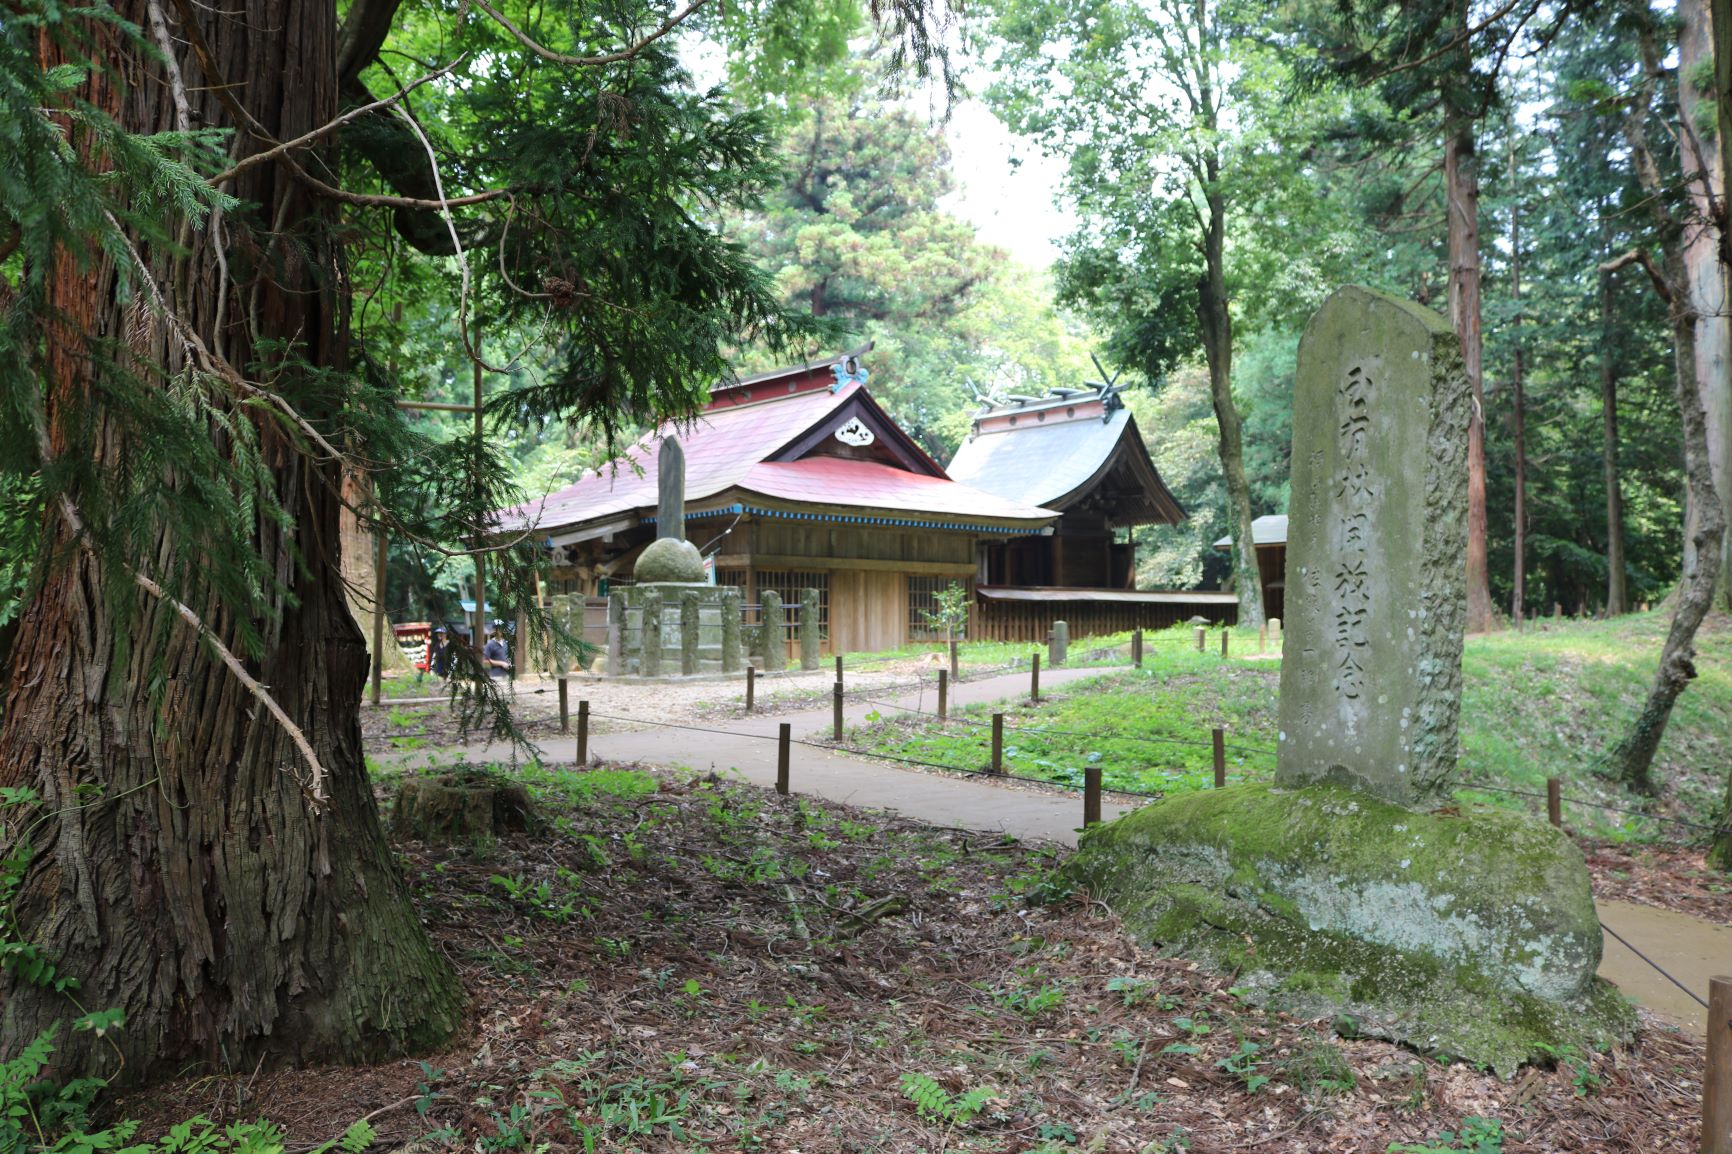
pixel 1340 891
pixel 671 621
pixel 1376 551
pixel 670 557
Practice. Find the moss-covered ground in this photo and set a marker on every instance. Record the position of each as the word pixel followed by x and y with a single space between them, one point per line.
pixel 1548 701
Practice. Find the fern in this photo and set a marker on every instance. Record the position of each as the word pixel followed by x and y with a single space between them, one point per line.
pixel 933 1101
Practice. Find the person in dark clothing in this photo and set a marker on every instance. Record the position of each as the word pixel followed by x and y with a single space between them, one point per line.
pixel 439 653
pixel 496 655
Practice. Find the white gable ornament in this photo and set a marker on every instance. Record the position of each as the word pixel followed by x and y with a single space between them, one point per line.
pixel 855 433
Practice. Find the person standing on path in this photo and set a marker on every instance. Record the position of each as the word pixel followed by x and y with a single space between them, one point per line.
pixel 496 655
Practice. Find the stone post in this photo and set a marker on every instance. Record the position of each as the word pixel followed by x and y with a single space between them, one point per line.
pixel 810 642
pixel 1058 644
pixel 731 631
pixel 616 634
pixel 688 633
pixel 774 631
pixel 650 656
pixel 1275 630
pixel 1376 551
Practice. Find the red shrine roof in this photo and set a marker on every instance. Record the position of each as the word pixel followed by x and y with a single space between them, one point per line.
pixel 768 444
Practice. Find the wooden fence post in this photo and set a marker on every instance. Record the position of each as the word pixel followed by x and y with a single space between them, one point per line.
pixel 1137 649
pixel 998 743
pixel 583 732
pixel 943 694
pixel 1202 633
pixel 1225 634
pixel 1262 638
pixel 1219 740
pixel 564 706
pixel 1091 795
pixel 1717 1071
pixel 1554 802
pixel 1034 680
pixel 784 738
pixel 836 699
pixel 838 669
pixel 751 684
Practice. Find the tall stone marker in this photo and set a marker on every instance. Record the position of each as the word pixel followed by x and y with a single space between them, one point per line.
pixel 671 490
pixel 1376 551
pixel 670 557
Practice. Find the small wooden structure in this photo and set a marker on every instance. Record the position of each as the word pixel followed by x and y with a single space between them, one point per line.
pixel 1077 451
pixel 795 479
pixel 1269 539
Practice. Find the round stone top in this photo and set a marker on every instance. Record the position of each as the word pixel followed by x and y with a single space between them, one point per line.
pixel 669 560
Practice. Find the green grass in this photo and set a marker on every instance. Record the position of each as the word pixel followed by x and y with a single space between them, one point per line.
pixel 1549 701
pixel 1148 729
pixel 977 657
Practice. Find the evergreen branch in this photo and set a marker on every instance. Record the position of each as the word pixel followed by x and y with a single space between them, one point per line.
pixel 307 138
pixel 75 523
pixel 317 788
pixel 627 53
pixel 246 120
pixel 215 365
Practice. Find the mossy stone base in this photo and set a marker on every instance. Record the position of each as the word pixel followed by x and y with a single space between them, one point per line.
pixel 668 559
pixel 1474 936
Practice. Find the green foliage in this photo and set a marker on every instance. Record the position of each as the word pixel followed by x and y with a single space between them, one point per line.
pixel 951 616
pixel 935 1102
pixel 1476 1136
pixel 856 234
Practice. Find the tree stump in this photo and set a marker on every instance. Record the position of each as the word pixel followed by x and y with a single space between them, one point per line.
pixel 467 806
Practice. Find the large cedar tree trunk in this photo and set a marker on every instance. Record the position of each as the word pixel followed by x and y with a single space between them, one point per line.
pixel 1217 324
pixel 1461 185
pixel 180 870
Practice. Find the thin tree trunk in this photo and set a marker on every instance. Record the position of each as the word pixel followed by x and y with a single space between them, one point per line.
pixel 179 869
pixel 1217 325
pixel 1462 200
pixel 1632 759
pixel 1720 851
pixel 1519 594
pixel 1704 188
pixel 1617 596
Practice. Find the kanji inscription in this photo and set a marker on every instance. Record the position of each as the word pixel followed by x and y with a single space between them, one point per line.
pixel 1376 556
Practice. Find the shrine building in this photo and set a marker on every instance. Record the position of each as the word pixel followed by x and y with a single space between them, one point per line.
pixel 797 478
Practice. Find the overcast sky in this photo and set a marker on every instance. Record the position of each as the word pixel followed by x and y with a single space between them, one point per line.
pixel 1011 205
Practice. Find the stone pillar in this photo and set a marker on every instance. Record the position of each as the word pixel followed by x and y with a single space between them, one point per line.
pixel 730 631
pixel 1058 644
pixel 810 642
pixel 774 638
pixel 616 634
pixel 1275 630
pixel 650 655
pixel 688 633
pixel 1376 551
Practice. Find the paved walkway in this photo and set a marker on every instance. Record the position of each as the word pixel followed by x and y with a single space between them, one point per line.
pixel 1692 949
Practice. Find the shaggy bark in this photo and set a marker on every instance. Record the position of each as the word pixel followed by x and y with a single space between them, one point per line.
pixel 180 871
